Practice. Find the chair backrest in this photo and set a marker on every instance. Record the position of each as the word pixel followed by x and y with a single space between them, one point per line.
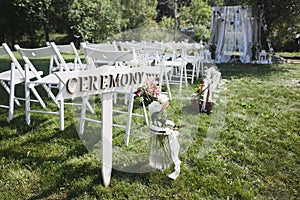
pixel 117 58
pixel 5 50
pixel 177 49
pixel 69 49
pixel 59 58
pixel 152 54
pixel 103 46
pixel 148 53
pixel 34 53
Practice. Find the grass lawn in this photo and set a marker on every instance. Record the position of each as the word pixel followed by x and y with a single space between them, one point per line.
pixel 289 54
pixel 256 154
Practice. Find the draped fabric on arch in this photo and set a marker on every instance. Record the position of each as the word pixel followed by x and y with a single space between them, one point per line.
pixel 234 33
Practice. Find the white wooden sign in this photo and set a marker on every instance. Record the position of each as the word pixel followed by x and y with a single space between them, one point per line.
pixel 104 81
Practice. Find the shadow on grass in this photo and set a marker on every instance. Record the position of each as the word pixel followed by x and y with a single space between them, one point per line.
pixel 59 156
pixel 65 166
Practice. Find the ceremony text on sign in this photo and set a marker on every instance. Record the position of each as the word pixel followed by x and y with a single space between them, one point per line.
pixel 99 80
pixel 102 82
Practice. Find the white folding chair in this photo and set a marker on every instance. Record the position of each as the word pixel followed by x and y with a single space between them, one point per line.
pixel 194 56
pixel 115 59
pixel 69 49
pixel 262 58
pixel 12 77
pixel 67 66
pixel 177 65
pixel 152 56
pixel 29 55
pixel 109 46
pixel 75 64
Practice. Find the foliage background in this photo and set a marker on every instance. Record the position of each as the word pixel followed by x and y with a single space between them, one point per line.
pixel 33 22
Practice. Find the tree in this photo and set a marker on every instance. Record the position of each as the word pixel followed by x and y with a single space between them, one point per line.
pixel 197 16
pixel 138 13
pixel 167 22
pixel 166 8
pixel 30 22
pixel 25 21
pixel 11 26
pixel 36 18
pixel 95 20
pixel 215 2
pixel 282 19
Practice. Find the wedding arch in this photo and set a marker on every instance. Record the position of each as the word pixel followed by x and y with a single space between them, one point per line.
pixel 236 34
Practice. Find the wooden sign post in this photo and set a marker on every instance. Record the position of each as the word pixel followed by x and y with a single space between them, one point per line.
pixel 106 137
pixel 104 80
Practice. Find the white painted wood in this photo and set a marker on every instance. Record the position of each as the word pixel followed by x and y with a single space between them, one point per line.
pixel 106 137
pixel 10 78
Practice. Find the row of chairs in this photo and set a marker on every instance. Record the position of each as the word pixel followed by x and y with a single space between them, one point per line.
pixel 134 55
pixel 103 54
pixel 31 76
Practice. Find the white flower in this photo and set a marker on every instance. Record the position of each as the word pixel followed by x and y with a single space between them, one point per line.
pixel 155 107
pixel 162 98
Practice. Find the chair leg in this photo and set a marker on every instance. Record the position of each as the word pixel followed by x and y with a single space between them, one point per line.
pixel 198 68
pixel 180 80
pixel 11 102
pixel 27 103
pixel 11 94
pixel 202 68
pixel 27 95
pixel 185 75
pixel 7 89
pixel 83 114
pixel 52 96
pixel 167 84
pixel 145 114
pixel 115 98
pixel 193 73
pixel 129 118
pixel 38 97
pixel 90 107
pixel 61 114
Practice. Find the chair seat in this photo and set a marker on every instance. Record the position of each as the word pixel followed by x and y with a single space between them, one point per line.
pixel 18 77
pixel 50 79
pixel 154 70
pixel 177 62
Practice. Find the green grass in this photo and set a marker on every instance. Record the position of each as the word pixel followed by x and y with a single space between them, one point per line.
pixel 289 54
pixel 255 154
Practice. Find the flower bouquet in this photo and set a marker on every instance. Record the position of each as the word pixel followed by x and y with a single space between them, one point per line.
pixel 150 92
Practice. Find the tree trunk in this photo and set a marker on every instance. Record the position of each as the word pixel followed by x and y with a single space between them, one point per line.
pixel 46 30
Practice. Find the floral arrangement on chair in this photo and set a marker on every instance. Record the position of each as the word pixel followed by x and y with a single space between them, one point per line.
pixel 150 92
pixel 197 99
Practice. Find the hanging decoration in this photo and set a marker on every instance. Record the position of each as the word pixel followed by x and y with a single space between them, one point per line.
pixel 236 34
